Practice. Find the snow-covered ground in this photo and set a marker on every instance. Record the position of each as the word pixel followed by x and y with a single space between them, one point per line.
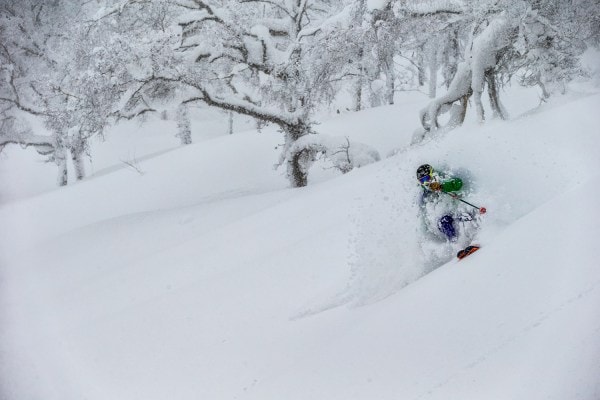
pixel 204 276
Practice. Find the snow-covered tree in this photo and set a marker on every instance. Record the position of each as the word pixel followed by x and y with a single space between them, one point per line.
pixel 49 72
pixel 432 33
pixel 22 57
pixel 364 48
pixel 385 38
pixel 78 66
pixel 537 41
pixel 256 58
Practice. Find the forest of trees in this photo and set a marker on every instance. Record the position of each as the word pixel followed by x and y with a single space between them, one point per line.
pixel 81 66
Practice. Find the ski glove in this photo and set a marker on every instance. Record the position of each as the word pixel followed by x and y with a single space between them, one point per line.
pixel 435 186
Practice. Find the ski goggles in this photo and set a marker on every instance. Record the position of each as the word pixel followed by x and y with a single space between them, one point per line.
pixel 425 178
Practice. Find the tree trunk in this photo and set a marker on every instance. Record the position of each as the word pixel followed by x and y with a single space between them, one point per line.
pixel 464 102
pixel 479 105
pixel 61 161
pixel 497 108
pixel 477 93
pixel 358 91
pixel 391 89
pixel 77 149
pixel 390 81
pixel 420 67
pixel 358 85
pixel 453 55
pixel 296 163
pixel 183 125
pixel 545 94
pixel 296 171
pixel 433 70
pixel 78 163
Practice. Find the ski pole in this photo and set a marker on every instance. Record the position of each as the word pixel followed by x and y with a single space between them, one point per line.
pixel 482 210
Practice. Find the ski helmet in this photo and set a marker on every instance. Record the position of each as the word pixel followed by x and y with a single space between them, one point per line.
pixel 424 173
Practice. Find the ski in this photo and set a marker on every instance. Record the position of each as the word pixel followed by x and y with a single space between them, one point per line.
pixel 467 251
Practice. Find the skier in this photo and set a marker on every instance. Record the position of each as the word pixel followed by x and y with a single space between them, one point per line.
pixel 439 210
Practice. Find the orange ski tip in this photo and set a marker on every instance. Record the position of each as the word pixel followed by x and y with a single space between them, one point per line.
pixel 467 251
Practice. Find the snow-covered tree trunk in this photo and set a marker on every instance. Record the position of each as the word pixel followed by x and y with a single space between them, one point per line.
pixel 60 158
pixel 486 51
pixel 420 62
pixel 390 80
pixel 77 149
pixel 184 131
pixel 358 94
pixel 297 171
pixel 451 57
pixel 359 82
pixel 432 66
pixel 78 163
pixel 497 108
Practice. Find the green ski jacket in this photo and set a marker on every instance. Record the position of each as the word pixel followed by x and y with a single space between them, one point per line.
pixel 451 185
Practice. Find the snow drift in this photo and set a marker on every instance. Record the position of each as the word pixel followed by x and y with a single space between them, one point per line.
pixel 207 277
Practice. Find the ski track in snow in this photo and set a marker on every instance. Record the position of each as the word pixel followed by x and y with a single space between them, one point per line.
pixel 564 307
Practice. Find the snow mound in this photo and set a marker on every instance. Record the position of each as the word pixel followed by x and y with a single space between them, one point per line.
pixel 207 277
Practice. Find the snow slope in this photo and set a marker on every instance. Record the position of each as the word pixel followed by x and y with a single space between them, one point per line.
pixel 207 277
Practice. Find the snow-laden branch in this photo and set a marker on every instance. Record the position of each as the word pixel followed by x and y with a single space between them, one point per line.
pixel 343 154
pixel 15 101
pixel 432 7
pixel 339 21
pixel 275 4
pixel 105 12
pixel 29 139
pixel 245 107
pixel 12 133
